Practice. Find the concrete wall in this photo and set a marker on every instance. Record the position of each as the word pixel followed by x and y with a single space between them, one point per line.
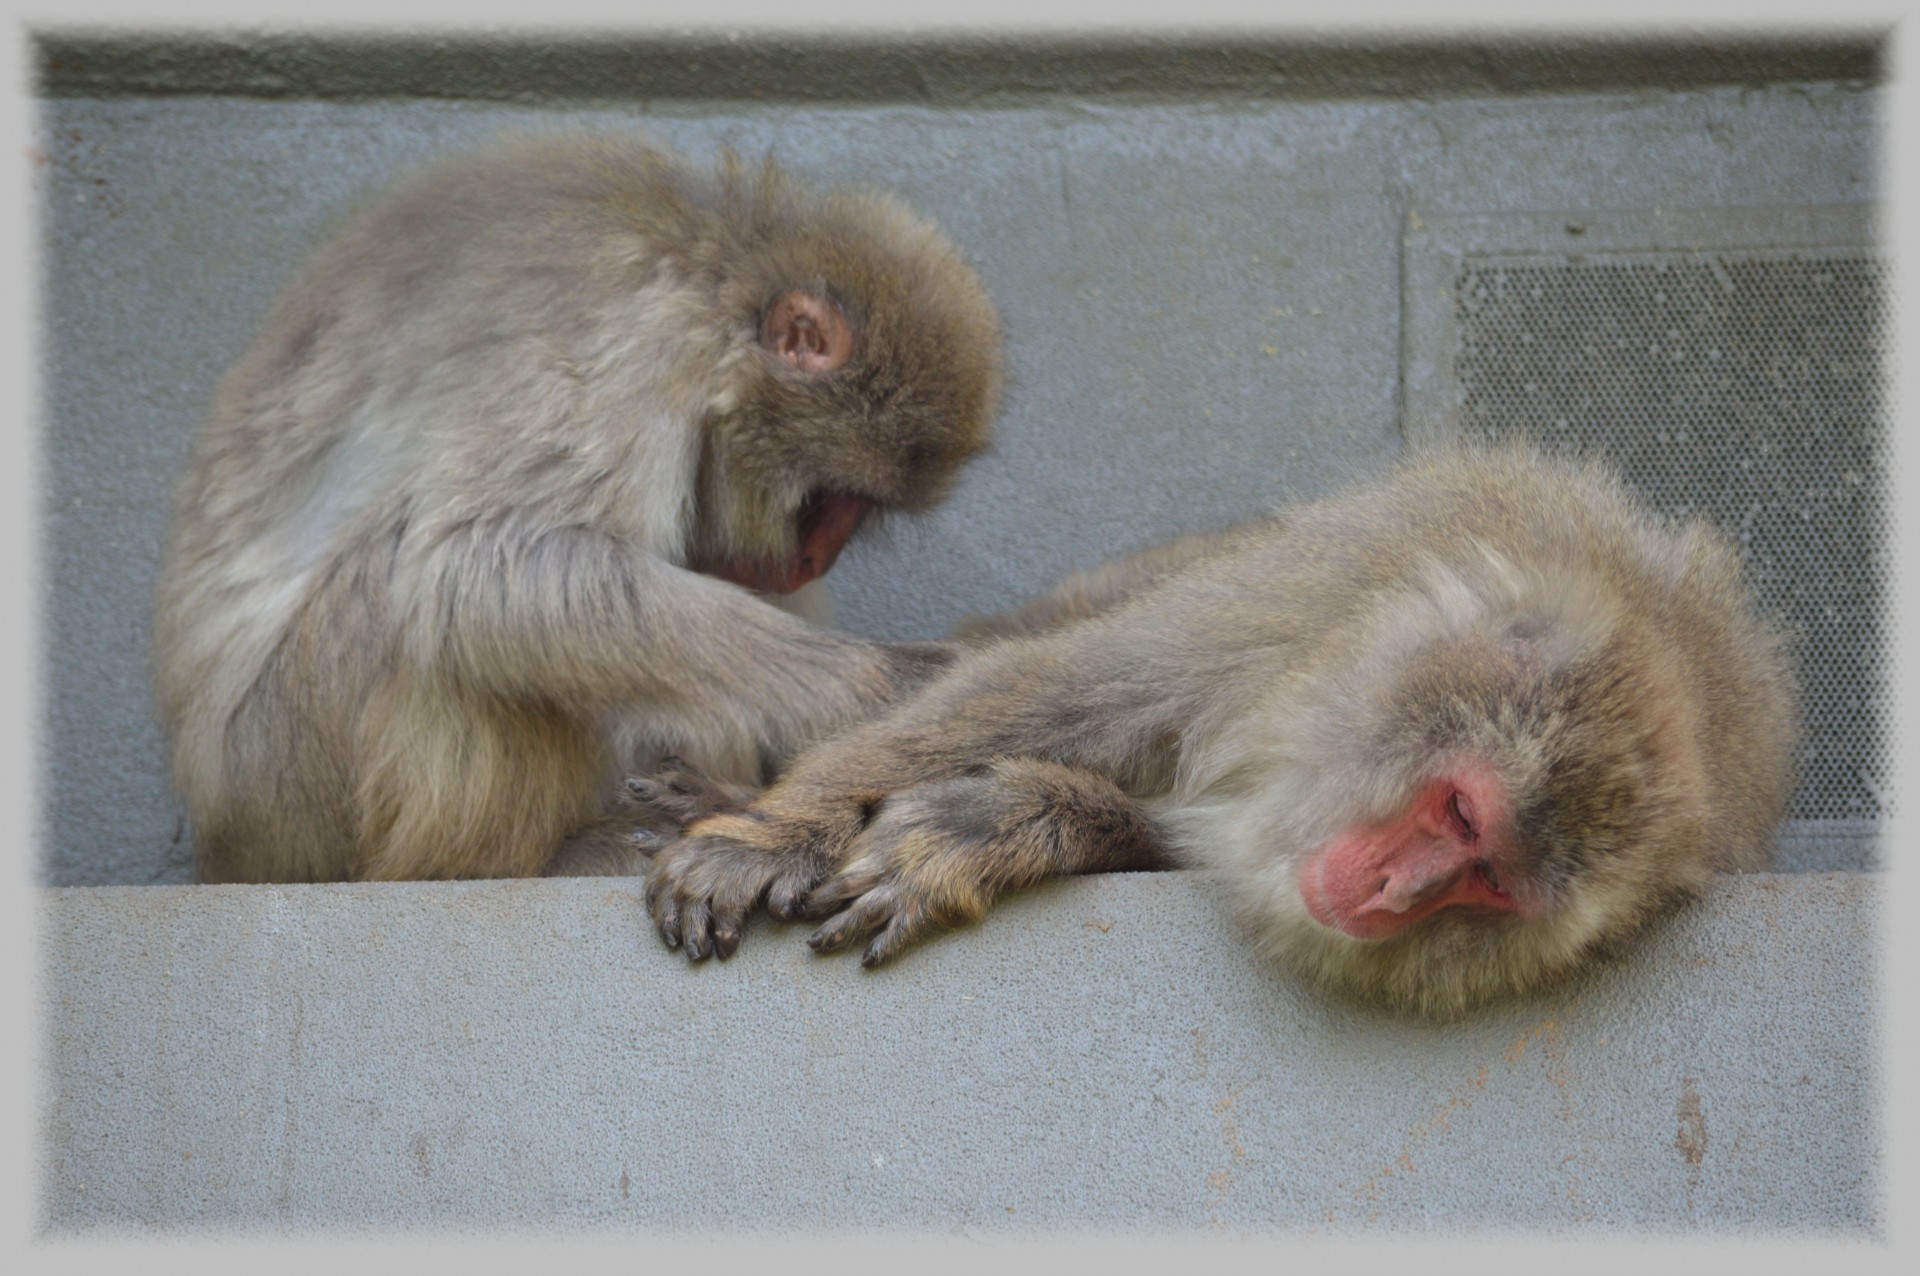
pixel 1100 1055
pixel 1196 252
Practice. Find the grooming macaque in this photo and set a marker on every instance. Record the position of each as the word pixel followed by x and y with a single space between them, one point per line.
pixel 1448 736
pixel 487 514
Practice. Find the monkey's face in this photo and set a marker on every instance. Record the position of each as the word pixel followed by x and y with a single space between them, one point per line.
pixel 1479 824
pixel 868 373
pixel 850 411
pixel 1450 846
pixel 820 529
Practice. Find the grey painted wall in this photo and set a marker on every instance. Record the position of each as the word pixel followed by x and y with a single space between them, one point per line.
pixel 1201 298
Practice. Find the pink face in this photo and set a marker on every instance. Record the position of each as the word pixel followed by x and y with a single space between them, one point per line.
pixel 808 333
pixel 825 523
pixel 1451 848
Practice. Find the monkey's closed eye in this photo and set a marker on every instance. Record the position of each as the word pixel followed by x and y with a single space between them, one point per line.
pixel 1460 815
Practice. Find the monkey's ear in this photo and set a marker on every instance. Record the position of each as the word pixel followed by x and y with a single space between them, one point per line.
pixel 807 332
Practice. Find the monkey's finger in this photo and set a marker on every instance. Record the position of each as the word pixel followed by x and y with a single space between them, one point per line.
pixel 866 916
pixel 648 788
pixel 854 880
pixel 696 922
pixel 787 893
pixel 662 798
pixel 650 842
pixel 683 794
pixel 824 900
pixel 729 915
pixel 907 927
pixel 666 918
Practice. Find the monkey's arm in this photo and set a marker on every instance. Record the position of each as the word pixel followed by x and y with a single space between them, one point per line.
pixel 1009 770
pixel 578 617
pixel 935 856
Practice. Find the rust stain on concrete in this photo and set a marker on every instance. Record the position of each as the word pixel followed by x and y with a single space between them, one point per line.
pixel 1691 1137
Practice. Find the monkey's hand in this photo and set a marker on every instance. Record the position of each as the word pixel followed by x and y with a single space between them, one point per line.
pixel 683 795
pixel 703 885
pixel 906 865
pixel 937 855
pixel 909 864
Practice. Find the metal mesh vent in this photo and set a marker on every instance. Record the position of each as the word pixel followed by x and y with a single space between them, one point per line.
pixel 1745 386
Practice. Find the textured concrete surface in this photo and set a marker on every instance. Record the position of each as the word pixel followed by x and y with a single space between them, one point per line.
pixel 1202 301
pixel 1101 1054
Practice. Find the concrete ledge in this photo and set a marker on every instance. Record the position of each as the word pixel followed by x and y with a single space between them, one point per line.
pixel 940 70
pixel 1101 1053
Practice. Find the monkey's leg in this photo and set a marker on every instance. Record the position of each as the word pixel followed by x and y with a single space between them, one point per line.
pixel 935 856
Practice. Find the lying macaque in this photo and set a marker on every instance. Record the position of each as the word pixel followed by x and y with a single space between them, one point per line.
pixel 1446 737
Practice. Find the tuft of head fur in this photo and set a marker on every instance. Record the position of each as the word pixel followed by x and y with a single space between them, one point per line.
pixel 1532 616
pixel 915 399
pixel 427 550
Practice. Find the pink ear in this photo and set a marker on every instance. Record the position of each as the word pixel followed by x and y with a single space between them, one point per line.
pixel 807 332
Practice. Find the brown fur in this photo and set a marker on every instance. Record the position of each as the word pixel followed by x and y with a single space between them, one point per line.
pixel 432 582
pixel 1257 693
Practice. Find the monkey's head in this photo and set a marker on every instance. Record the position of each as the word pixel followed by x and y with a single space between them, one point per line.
pixel 867 371
pixel 1509 773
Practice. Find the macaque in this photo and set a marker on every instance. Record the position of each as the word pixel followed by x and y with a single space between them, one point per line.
pixel 1446 737
pixel 494 508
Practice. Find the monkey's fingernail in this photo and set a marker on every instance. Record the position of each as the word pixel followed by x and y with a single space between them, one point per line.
pixel 725 943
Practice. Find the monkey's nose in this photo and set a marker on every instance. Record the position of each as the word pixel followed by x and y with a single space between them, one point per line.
pixel 1404 892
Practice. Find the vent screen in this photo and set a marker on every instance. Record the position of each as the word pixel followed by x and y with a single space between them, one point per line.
pixel 1745 385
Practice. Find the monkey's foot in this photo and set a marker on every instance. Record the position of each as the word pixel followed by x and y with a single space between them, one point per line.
pixel 704 885
pixel 684 795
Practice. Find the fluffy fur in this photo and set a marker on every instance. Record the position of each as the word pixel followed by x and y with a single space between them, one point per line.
pixel 1258 692
pixel 433 574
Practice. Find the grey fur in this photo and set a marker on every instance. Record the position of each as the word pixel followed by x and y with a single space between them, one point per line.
pixel 1260 692
pixel 431 583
